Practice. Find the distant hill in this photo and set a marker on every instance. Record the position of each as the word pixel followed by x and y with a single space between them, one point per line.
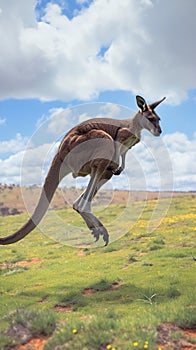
pixel 16 200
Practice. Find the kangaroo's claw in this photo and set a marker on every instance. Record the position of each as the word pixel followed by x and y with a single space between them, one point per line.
pixel 97 231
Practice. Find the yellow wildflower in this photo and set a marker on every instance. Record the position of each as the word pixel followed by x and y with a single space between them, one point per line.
pixel 135 343
pixel 74 331
pixel 110 347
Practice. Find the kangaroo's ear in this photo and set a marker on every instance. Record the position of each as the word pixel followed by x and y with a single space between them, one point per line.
pixel 155 104
pixel 141 103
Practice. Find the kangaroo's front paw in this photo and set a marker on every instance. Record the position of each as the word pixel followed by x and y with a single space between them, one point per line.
pixel 118 171
pixel 112 167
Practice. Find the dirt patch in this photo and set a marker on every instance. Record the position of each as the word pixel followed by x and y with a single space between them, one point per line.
pixel 190 333
pixel 90 291
pixel 125 267
pixel 114 286
pixel 63 308
pixel 172 337
pixel 81 253
pixel 33 344
pixel 44 299
pixel 20 263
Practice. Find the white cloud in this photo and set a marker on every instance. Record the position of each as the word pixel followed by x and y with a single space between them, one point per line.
pixel 102 110
pixel 59 121
pixel 164 163
pixel 152 164
pixel 14 145
pixel 111 110
pixel 83 117
pixel 10 169
pixel 2 121
pixel 130 45
pixel 183 157
pixel 27 167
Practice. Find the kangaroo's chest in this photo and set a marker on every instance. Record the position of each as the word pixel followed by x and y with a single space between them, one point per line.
pixel 127 138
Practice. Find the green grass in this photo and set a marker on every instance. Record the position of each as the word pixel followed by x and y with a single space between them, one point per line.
pixel 139 282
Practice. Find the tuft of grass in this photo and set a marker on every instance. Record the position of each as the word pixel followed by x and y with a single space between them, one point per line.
pixel 43 323
pixel 101 286
pixel 110 249
pixel 99 332
pixel 132 259
pixel 38 322
pixel 148 299
pixel 6 342
pixel 191 340
pixel 176 336
pixel 63 335
pixel 156 244
pixel 173 293
pixel 186 318
pixel 74 299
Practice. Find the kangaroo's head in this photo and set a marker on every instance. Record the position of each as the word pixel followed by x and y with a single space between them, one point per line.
pixel 147 116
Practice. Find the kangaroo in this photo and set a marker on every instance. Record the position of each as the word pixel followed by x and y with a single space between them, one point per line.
pixel 96 147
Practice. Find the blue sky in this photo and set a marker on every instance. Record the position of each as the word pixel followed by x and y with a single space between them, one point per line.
pixel 59 54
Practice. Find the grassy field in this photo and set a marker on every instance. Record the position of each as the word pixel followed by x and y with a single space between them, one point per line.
pixel 136 293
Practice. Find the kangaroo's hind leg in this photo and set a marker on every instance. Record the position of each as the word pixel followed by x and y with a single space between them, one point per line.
pixel 83 204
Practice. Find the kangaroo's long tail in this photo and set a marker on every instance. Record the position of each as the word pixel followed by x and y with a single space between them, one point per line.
pixel 51 183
